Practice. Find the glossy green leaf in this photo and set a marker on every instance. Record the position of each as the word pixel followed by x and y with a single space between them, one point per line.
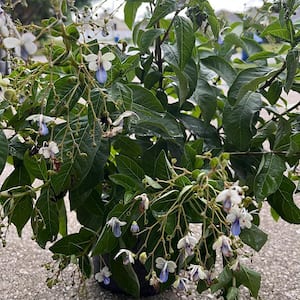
pixel 36 166
pixel 106 242
pixel 239 121
pixel 282 201
pixel 185 39
pixel 162 8
pixel 125 276
pixel 269 176
pixel 274 91
pixel 292 62
pixel 77 160
pixel 145 98
pixel 85 265
pixel 3 150
pixel 163 168
pixel 294 148
pixel 80 194
pixel 65 94
pixel 74 244
pixel 21 212
pixel 249 279
pixel 206 98
pixel 214 25
pixel 148 37
pixel 127 182
pixel 223 279
pixel 129 167
pixel 202 130
pixel 45 219
pixel 247 80
pixel 261 56
pixel 254 237
pixel 130 10
pixel 221 67
pixel 232 293
pixel 91 213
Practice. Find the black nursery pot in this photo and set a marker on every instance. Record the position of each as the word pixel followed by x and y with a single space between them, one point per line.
pixel 146 290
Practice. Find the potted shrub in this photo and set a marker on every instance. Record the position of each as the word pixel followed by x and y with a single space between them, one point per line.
pixel 160 145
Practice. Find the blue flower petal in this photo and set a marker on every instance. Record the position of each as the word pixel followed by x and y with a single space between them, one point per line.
pixel 117 230
pixel 43 130
pixel 236 228
pixel 106 280
pixel 227 204
pixel 164 275
pixel 101 75
pixel 181 285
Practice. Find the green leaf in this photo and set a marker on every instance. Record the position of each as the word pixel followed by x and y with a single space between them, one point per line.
pixel 129 167
pixel 282 201
pixel 239 121
pixel 77 159
pixel 185 39
pixel 45 219
pixel 21 213
pixel 254 237
pixel 65 94
pixel 145 98
pixel 125 276
pixel 74 244
pixel 221 67
pixel 163 168
pixel 85 265
pixel 214 25
pixel 249 279
pixel 162 8
pixel 292 62
pixel 232 293
pixel 202 286
pixel 247 80
pixel 206 98
pixel 130 10
pixel 92 214
pixel 261 56
pixel 3 150
pixel 80 195
pixel 148 37
pixel 127 182
pixel 269 176
pixel 202 130
pixel 274 92
pixel 223 279
pixel 36 166
pixel 294 148
pixel 106 242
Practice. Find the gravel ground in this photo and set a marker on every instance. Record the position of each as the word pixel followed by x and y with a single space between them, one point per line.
pixel 22 275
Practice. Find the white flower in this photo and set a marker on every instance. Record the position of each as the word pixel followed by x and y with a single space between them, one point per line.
pixel 127 258
pixel 4 32
pixel 118 124
pixel 223 243
pixel 187 243
pixel 42 120
pixel 49 150
pixel 166 267
pixel 230 197
pixel 239 218
pixel 180 284
pixel 144 204
pixel 24 46
pixel 100 64
pixel 103 275
pixel 115 225
pixel 197 272
pixel 4 82
pixel 154 280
